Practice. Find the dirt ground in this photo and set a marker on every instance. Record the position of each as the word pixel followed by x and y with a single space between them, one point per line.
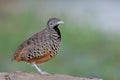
pixel 35 76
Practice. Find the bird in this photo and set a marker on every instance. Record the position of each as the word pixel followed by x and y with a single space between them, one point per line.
pixel 42 46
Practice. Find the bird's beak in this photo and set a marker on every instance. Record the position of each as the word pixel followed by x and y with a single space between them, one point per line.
pixel 60 22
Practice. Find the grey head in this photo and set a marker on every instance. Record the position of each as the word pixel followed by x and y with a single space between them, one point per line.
pixel 52 22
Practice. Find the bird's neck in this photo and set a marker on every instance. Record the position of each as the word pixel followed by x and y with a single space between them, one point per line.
pixel 55 33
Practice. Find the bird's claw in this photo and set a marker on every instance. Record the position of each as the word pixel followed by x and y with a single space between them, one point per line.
pixel 44 73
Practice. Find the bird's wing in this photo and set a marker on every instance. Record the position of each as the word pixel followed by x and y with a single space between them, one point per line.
pixel 31 46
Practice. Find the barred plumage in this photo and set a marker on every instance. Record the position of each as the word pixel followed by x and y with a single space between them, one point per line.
pixel 42 46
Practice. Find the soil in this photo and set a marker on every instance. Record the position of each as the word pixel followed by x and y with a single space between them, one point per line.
pixel 36 76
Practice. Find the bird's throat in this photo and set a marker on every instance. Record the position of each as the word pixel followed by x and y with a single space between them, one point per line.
pixel 57 31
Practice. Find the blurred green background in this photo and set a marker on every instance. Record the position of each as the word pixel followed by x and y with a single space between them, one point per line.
pixel 90 36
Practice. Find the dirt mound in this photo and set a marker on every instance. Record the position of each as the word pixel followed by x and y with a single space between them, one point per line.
pixel 35 76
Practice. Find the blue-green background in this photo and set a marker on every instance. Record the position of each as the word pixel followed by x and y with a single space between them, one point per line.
pixel 85 51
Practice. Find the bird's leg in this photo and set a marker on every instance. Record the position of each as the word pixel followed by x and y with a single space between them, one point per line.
pixel 39 70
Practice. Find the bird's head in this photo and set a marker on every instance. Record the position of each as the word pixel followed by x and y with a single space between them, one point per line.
pixel 53 22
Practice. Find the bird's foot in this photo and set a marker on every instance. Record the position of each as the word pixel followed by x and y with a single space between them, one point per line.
pixel 44 73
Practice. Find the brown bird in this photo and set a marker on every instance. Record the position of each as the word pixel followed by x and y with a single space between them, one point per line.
pixel 42 46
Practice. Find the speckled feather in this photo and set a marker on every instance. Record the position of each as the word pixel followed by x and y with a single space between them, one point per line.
pixel 40 47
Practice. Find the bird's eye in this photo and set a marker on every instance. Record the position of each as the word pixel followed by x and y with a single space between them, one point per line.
pixel 50 23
